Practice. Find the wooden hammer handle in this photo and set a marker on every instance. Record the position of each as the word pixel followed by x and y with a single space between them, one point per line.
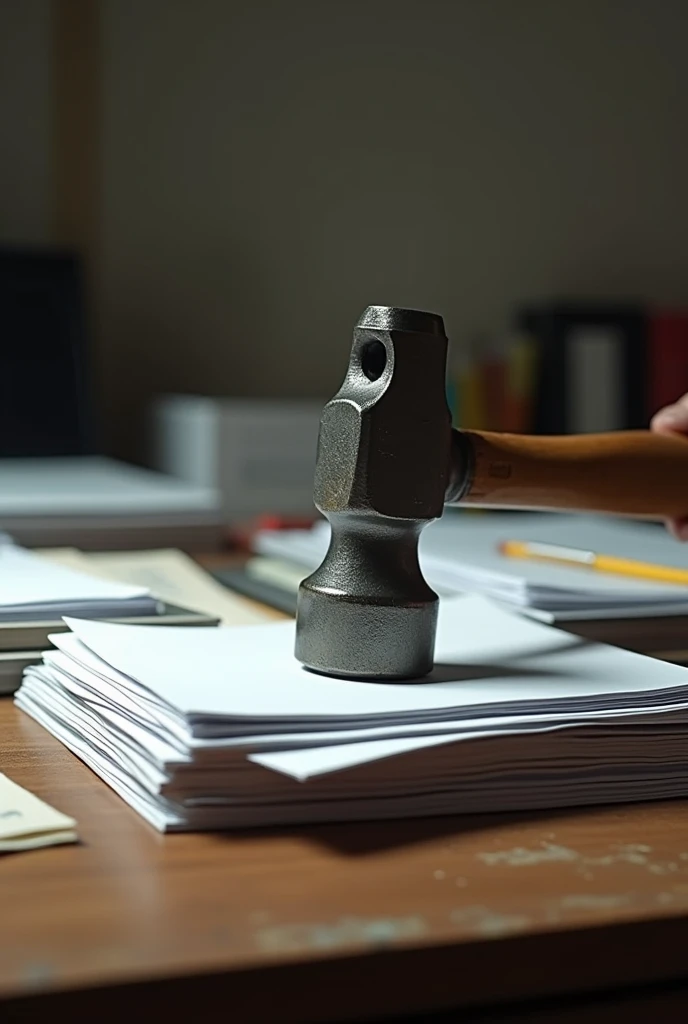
pixel 633 473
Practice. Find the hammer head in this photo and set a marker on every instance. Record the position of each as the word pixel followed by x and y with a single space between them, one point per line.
pixel 381 475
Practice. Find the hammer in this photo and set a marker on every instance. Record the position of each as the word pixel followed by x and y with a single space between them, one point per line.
pixel 388 462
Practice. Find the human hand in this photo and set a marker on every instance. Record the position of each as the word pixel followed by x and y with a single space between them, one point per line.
pixel 673 419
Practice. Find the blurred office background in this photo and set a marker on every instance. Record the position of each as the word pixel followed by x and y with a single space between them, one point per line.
pixel 242 177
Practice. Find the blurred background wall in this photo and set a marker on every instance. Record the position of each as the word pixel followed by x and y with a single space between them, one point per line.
pixel 261 171
pixel 25 121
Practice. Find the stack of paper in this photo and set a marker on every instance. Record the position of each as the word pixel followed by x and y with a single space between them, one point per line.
pixel 172 575
pixel 36 591
pixel 93 501
pixel 460 554
pixel 200 729
pixel 32 589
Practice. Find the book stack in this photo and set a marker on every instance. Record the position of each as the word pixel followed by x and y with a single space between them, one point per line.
pixel 461 554
pixel 35 595
pixel 570 367
pixel 210 729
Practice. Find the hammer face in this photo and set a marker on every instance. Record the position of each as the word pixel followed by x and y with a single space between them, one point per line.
pixel 381 475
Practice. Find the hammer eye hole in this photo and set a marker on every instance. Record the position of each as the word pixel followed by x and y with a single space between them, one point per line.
pixel 373 359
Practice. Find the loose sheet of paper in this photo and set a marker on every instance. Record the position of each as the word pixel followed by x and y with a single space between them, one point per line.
pixel 27 823
pixel 28 579
pixel 169 574
pixel 34 589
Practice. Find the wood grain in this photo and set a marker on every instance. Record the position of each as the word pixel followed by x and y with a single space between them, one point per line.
pixel 633 473
pixel 398 917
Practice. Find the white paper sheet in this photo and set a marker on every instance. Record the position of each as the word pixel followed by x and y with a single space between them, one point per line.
pixel 486 658
pixel 33 588
pixel 26 578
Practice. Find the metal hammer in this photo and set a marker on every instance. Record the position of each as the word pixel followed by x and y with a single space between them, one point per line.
pixel 389 461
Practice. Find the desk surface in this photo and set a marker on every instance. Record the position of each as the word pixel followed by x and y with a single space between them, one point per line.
pixel 397 917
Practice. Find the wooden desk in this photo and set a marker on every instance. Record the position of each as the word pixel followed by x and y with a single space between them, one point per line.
pixel 337 923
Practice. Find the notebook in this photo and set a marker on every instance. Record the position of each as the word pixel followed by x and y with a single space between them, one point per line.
pixel 459 554
pixel 33 588
pixel 179 593
pixel 208 729
pixel 172 575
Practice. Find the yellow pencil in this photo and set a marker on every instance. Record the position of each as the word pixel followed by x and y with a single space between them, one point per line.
pixel 590 560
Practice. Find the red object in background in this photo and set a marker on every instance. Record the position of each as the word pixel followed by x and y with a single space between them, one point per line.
pixel 273 522
pixel 240 535
pixel 668 358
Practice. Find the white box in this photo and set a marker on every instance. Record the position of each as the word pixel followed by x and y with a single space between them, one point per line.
pixel 258 453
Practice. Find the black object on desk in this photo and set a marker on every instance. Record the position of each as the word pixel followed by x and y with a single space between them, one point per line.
pixel 45 392
pixel 242 582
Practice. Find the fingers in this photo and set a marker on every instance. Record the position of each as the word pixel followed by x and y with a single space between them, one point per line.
pixel 678 528
pixel 673 419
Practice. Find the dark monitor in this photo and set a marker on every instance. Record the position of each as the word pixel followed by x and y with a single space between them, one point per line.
pixel 44 386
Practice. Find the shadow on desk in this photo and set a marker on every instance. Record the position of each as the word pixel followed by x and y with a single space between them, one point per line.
pixel 362 839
